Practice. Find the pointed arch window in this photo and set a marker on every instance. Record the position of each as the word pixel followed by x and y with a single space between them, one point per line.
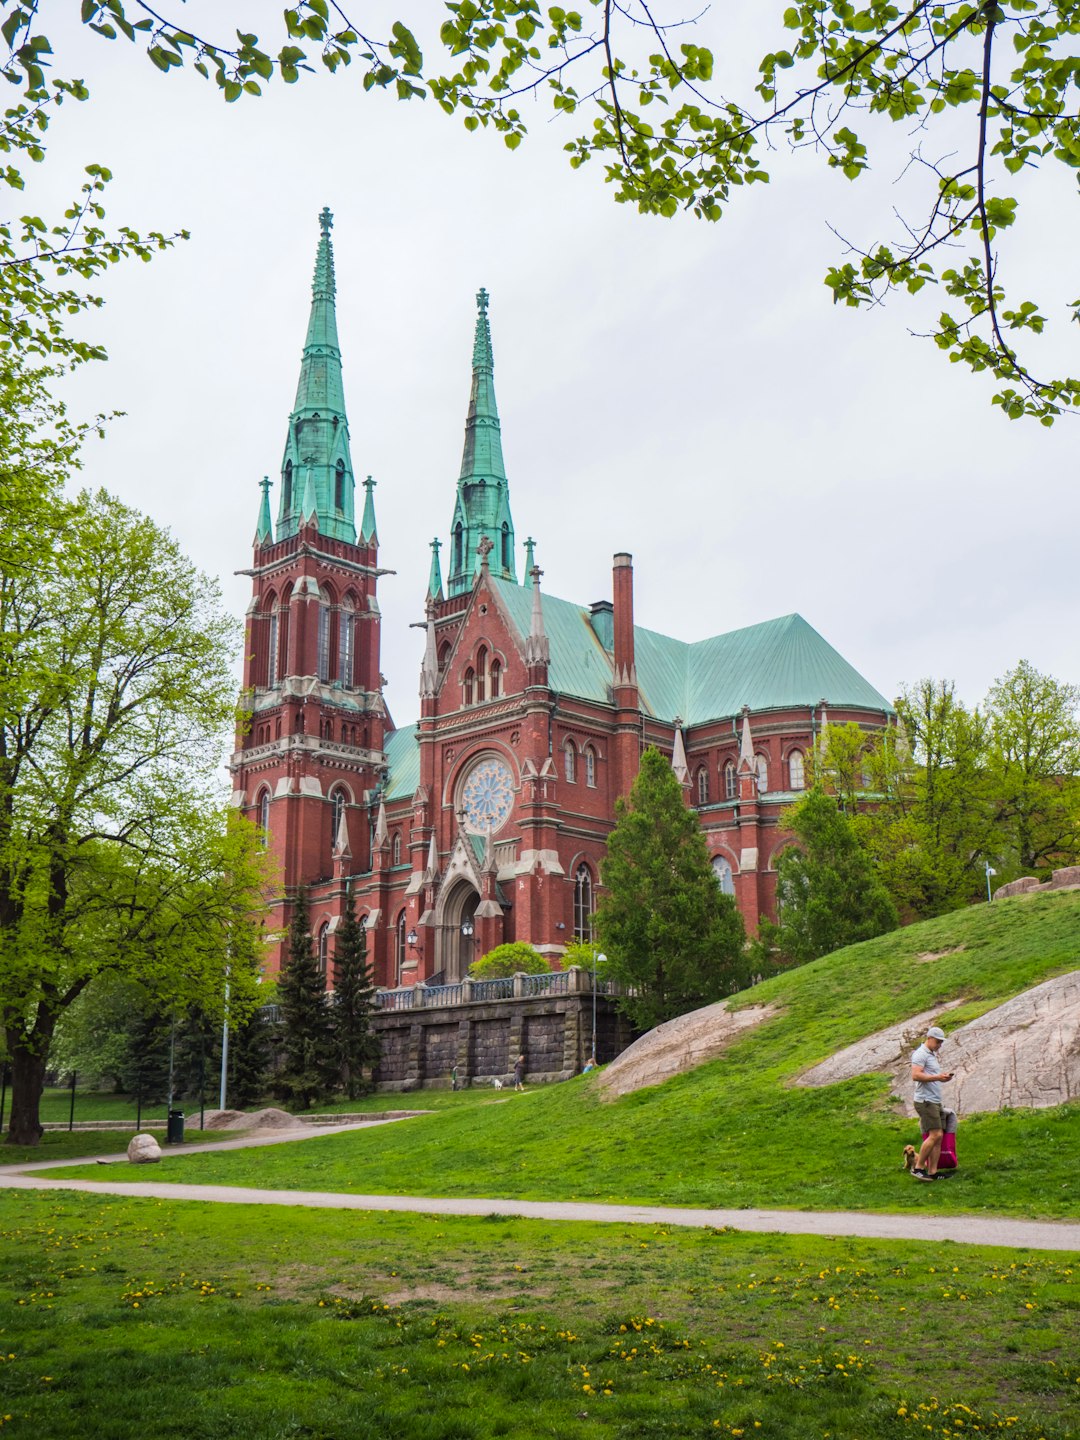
pixel 286 488
pixel 796 771
pixel 703 786
pixel 761 768
pixel 570 761
pixel 399 948
pixel 481 674
pixel 496 679
pixel 346 641
pixel 263 809
pixel 583 903
pixel 339 485
pixel 338 800
pixel 505 546
pixel 731 781
pixel 459 546
pixel 397 847
pixel 272 648
pixel 283 635
pixel 589 756
pixel 323 659
pixel 324 948
pixel 721 868
pixel 468 686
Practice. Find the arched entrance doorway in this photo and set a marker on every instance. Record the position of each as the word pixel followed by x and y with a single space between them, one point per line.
pixel 458 949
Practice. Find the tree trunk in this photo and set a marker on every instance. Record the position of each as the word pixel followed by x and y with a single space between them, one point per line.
pixel 27 1084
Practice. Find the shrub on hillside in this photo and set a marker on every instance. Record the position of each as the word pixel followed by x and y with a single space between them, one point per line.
pixel 509 960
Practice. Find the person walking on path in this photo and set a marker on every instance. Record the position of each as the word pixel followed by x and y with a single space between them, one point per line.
pixel 519 1073
pixel 928 1076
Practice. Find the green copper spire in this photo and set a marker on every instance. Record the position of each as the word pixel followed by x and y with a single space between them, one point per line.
pixel 264 531
pixel 483 492
pixel 434 584
pixel 368 533
pixel 317 448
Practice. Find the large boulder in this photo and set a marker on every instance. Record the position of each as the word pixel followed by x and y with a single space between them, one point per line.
pixel 143 1150
pixel 678 1045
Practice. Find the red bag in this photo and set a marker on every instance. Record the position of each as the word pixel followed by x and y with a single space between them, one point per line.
pixel 947 1157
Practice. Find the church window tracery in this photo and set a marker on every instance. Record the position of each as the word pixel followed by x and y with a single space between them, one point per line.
pixel 731 781
pixel 399 947
pixel 338 799
pixel 496 679
pixel 346 641
pixel 397 847
pixel 272 648
pixel 721 868
pixel 570 762
pixel 263 806
pixel 481 674
pixel 468 686
pixel 703 785
pixel 796 771
pixel 590 766
pixel 761 767
pixel 583 903
pixel 324 948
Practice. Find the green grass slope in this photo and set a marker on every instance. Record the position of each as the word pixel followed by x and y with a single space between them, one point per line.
pixel 736 1132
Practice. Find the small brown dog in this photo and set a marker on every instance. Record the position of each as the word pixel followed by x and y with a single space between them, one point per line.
pixel 910 1156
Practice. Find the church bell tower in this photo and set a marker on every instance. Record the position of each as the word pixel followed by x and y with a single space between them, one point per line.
pixel 309 758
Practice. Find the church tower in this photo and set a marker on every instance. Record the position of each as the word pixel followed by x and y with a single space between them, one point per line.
pixel 307 764
pixel 482 507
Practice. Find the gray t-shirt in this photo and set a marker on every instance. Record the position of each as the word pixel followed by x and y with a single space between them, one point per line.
pixel 927 1059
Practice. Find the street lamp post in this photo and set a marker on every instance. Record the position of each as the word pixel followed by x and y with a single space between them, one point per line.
pixel 989 871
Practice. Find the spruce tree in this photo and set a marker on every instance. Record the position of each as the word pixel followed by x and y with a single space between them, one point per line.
pixel 356 1046
pixel 669 932
pixel 251 1057
pixel 305 1014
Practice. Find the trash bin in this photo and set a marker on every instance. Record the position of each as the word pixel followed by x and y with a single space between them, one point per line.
pixel 174 1133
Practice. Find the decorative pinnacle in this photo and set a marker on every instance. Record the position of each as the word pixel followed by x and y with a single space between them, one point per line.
pixel 482 356
pixel 323 285
pixel 326 221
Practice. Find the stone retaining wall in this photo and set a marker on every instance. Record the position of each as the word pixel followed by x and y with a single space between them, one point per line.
pixel 484 1038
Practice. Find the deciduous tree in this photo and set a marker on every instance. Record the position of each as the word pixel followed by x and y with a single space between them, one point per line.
pixel 988 89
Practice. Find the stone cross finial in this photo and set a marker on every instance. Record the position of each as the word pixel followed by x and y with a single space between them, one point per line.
pixel 265 484
pixel 482 300
pixel 535 573
pixel 484 549
pixel 326 220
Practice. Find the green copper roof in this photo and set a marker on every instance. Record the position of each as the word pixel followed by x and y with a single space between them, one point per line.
pixel 264 530
pixel 482 506
pixel 434 584
pixel 318 439
pixel 403 761
pixel 776 665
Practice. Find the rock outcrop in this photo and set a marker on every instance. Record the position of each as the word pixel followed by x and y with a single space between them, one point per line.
pixel 678 1045
pixel 1022 1054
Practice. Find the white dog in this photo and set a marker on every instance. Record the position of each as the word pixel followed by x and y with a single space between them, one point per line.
pixel 497 1083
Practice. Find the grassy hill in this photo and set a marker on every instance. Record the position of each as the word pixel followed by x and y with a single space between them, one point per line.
pixel 736 1132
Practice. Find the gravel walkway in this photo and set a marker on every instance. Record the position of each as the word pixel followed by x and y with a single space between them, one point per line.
pixel 962 1229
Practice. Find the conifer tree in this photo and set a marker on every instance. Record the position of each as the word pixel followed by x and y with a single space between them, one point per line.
pixel 829 893
pixel 308 1038
pixel 251 1055
pixel 669 932
pixel 356 1046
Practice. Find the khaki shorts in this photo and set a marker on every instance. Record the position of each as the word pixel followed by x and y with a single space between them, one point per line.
pixel 931 1113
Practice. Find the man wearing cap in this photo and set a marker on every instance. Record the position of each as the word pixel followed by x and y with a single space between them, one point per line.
pixel 928 1075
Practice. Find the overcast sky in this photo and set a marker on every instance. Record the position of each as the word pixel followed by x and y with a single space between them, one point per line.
pixel 683 391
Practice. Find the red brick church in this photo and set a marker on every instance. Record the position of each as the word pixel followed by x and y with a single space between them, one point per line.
pixel 486 820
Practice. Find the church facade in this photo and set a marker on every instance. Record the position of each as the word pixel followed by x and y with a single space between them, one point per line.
pixel 486 820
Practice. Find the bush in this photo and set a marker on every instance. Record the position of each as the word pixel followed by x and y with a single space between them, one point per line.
pixel 507 960
pixel 585 955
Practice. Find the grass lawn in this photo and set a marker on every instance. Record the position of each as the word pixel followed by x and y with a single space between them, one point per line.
pixel 127 1318
pixel 737 1132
